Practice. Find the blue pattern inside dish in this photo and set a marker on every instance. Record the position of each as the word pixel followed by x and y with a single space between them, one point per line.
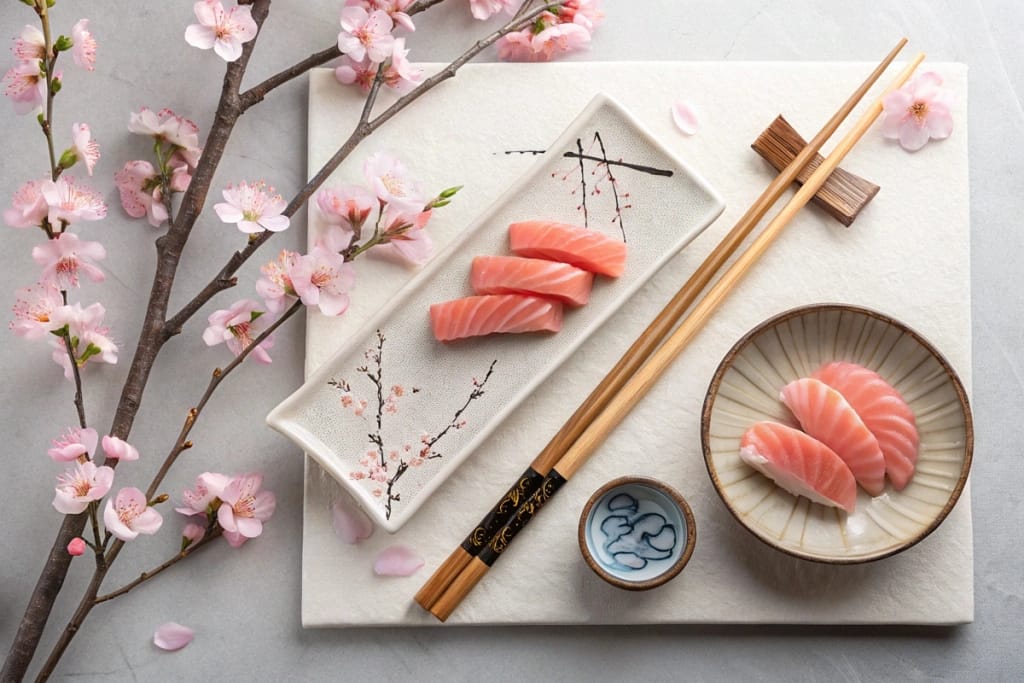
pixel 636 532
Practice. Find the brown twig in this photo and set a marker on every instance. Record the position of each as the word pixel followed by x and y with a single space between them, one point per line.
pixel 211 534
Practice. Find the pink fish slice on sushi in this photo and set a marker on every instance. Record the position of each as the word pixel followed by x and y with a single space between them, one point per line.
pixel 475 316
pixel 800 464
pixel 824 414
pixel 517 275
pixel 586 249
pixel 883 411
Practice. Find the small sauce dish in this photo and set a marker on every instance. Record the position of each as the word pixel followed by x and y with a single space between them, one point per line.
pixel 637 533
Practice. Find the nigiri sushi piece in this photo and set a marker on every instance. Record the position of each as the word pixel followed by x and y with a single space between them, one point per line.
pixel 517 275
pixel 586 249
pixel 474 316
pixel 800 464
pixel 824 414
pixel 883 411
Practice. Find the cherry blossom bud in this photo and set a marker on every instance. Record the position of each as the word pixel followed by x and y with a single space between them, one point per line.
pixel 76 547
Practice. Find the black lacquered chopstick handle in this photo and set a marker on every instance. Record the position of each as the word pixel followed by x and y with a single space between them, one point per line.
pixel 527 511
pixel 502 512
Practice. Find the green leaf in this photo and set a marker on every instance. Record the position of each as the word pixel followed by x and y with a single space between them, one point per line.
pixel 255 314
pixel 55 86
pixel 60 332
pixel 438 203
pixel 450 192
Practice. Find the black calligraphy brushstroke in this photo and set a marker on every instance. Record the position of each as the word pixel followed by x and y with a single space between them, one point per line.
pixel 583 183
pixel 534 152
pixel 625 164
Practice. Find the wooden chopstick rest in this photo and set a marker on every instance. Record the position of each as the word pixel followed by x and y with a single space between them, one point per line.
pixel 842 196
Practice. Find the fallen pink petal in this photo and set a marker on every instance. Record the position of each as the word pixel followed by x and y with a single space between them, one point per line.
pixel 172 636
pixel 350 523
pixel 685 117
pixel 397 560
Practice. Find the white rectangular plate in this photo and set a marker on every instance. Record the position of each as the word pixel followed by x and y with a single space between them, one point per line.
pixel 395 412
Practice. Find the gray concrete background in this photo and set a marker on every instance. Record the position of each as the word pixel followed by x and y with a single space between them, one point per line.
pixel 244 605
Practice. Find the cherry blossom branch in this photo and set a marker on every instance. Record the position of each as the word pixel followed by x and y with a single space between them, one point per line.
pixel 49 60
pixel 151 339
pixel 225 278
pixel 211 534
pixel 89 599
pixel 257 93
pixel 182 443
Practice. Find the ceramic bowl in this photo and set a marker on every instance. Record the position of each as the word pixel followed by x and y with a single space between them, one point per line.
pixel 745 390
pixel 637 533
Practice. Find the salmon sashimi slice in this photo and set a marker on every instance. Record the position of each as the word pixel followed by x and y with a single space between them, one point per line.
pixel 586 249
pixel 883 411
pixel 474 316
pixel 800 464
pixel 824 414
pixel 517 275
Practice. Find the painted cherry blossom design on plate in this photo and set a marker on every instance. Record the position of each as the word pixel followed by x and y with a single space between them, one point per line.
pixel 381 466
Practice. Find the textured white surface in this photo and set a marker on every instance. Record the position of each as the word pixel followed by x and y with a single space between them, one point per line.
pixel 917 226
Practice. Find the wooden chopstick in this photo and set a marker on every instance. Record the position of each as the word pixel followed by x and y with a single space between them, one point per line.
pixel 640 383
pixel 529 481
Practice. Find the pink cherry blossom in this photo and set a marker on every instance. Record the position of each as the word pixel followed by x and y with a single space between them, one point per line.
pixel 586 13
pixel 918 112
pixel 192 533
pixel 172 636
pixel 85 148
pixel 129 514
pixel 360 72
pixel 65 256
pixel 81 484
pixel 560 39
pixel 118 449
pixel 207 489
pixel 394 8
pixel 397 560
pixel 245 507
pixel 276 286
pixel 139 186
pixel 404 234
pixel 84 49
pixel 349 522
pixel 365 34
pixel 485 9
pixel 30 45
pixel 70 201
pixel 400 75
pixel 34 308
pixel 74 443
pixel 26 87
pixel 224 31
pixel 685 117
pixel 254 208
pixel 322 278
pixel 238 327
pixel 181 170
pixel 347 207
pixel 28 206
pixel 166 126
pixel 391 181
pixel 93 340
pixel 76 547
pixel 517 46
